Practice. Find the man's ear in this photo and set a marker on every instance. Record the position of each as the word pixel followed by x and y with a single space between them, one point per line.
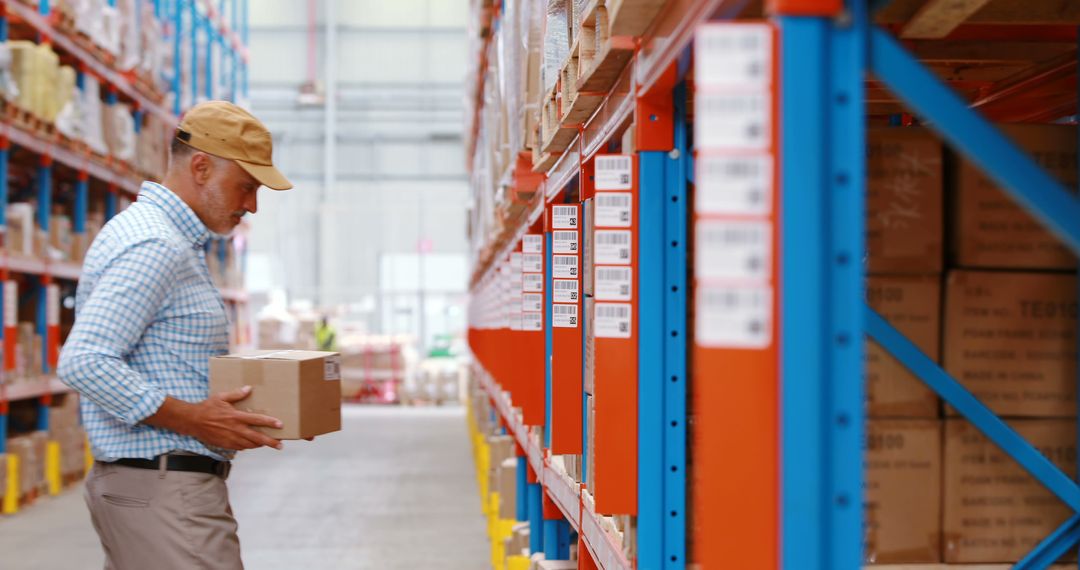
pixel 200 165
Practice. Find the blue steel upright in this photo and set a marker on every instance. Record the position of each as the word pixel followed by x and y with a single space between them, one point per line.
pixel 662 276
pixel 556 539
pixel 823 192
pixel 536 517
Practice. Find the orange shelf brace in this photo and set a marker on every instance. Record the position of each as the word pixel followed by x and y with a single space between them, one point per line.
pixel 614 328
pixel 564 307
pixel 525 356
pixel 735 353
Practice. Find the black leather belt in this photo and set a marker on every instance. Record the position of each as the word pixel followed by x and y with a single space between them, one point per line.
pixel 192 463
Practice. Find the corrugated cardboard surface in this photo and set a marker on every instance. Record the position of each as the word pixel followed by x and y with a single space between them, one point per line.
pixel 507 489
pixel 992 230
pixel 290 385
pixel 1010 338
pixel 912 304
pixel 904 201
pixel 994 511
pixel 903 491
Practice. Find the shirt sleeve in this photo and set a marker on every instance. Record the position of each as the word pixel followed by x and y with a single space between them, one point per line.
pixel 127 298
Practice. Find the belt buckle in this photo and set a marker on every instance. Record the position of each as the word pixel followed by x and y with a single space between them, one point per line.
pixel 222 469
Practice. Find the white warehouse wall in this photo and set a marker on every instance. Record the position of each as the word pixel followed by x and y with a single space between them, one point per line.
pixel 400 175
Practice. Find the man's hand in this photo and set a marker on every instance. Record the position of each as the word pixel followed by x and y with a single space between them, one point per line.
pixel 216 422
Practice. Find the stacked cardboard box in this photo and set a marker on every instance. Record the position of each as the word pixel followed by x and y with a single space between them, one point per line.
pixel 905 255
pixel 1010 338
pixel 30 449
pixel 66 429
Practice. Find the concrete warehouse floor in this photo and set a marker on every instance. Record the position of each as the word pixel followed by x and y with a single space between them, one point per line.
pixel 395 489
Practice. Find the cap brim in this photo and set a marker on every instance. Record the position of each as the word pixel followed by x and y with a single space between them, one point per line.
pixel 267 175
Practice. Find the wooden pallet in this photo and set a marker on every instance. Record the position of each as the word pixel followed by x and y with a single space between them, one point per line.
pixel 556 135
pixel 601 55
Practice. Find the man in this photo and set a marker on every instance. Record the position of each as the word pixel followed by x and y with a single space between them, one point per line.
pixel 325 337
pixel 148 319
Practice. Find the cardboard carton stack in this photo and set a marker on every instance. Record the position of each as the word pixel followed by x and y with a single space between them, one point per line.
pixel 1007 331
pixel 67 431
pixel 905 256
pixel 1010 338
pixel 30 449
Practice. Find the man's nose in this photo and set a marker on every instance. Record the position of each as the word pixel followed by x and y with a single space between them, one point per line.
pixel 251 204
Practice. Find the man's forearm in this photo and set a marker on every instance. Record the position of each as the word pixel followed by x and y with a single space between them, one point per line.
pixel 173 415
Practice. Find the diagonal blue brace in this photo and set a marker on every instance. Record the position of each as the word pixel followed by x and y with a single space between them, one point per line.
pixel 971 408
pixel 975 137
pixel 1053 547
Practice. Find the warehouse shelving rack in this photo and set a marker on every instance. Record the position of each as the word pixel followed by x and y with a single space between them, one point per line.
pixel 221 30
pixel 795 408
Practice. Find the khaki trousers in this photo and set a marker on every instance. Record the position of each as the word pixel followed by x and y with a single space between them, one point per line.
pixel 165 520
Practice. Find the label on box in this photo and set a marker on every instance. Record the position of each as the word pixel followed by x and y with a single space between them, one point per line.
pixel 612 320
pixel 532 263
pixel 532 321
pixel 733 317
pixel 532 283
pixel 532 302
pixel 612 246
pixel 740 185
pixel 565 290
pixel 332 368
pixel 739 250
pixel 564 217
pixel 564 241
pixel 733 56
pixel 614 209
pixel 532 243
pixel 11 304
pixel 614 283
pixel 613 172
pixel 564 316
pixel 565 266
pixel 733 121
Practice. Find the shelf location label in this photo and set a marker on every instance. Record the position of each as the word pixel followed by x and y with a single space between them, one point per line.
pixel 565 290
pixel 564 217
pixel 613 172
pixel 612 320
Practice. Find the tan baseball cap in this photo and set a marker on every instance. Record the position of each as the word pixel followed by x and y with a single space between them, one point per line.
pixel 223 129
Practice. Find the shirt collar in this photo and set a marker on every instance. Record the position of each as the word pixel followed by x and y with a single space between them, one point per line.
pixel 179 213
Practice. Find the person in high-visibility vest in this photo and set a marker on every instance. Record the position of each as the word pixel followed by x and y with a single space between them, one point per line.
pixel 325 337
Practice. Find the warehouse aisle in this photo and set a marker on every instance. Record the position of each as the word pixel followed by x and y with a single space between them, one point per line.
pixel 394 490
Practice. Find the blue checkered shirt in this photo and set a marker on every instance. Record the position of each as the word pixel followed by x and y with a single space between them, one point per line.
pixel 147 320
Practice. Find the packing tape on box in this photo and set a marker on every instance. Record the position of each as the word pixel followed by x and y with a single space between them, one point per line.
pixel 267 355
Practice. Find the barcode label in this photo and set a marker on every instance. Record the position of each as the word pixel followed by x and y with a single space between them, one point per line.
pixel 532 243
pixel 614 210
pixel 740 185
pixel 612 247
pixel 564 241
pixel 532 283
pixel 740 250
pixel 735 55
pixel 564 217
pixel 515 261
pixel 565 266
pixel 532 321
pixel 532 263
pixel 564 316
pixel 565 290
pixel 11 304
pixel 613 172
pixel 532 302
pixel 614 283
pixel 332 368
pixel 734 317
pixel 612 320
pixel 733 121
